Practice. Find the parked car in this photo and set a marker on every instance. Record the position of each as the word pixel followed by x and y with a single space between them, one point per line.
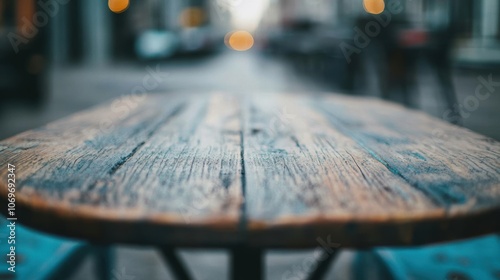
pixel 157 44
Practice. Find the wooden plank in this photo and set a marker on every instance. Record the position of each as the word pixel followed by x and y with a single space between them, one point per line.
pixel 308 177
pixel 456 168
pixel 303 166
pixel 75 178
pixel 187 175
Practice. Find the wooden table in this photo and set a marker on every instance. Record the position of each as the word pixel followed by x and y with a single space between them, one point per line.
pixel 254 172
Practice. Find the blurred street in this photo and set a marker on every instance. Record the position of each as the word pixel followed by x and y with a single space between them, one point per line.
pixel 76 88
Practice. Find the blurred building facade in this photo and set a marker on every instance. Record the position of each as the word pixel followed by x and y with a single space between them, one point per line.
pixel 476 22
pixel 86 31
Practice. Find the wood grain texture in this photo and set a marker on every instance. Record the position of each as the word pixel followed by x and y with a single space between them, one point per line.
pixel 164 164
pixel 359 171
pixel 275 171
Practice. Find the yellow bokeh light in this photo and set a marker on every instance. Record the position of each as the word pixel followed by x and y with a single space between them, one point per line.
pixel 118 6
pixel 239 40
pixel 374 6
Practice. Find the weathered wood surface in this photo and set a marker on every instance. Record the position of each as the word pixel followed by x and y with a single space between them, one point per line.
pixel 359 171
pixel 274 170
pixel 114 174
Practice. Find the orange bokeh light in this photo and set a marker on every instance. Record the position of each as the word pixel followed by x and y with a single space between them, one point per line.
pixel 118 6
pixel 192 17
pixel 374 6
pixel 239 40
